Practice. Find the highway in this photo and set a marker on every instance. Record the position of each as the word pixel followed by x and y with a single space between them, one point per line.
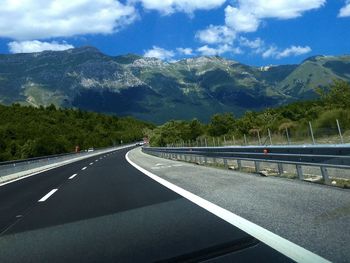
pixel 102 209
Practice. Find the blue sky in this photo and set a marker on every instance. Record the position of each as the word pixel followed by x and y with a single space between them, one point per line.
pixel 255 32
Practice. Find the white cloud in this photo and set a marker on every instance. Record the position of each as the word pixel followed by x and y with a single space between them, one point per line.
pixel 36 46
pixel 160 53
pixel 345 10
pixel 283 9
pixel 185 51
pixel 219 50
pixel 188 6
pixel 273 52
pixel 254 44
pixel 249 13
pixel 240 20
pixel 216 34
pixel 42 19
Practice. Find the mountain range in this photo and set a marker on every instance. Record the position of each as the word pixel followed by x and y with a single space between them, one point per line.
pixel 155 90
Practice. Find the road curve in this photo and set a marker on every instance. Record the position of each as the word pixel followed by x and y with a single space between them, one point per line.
pixel 102 209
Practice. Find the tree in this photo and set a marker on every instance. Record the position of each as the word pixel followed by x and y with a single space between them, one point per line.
pixel 221 124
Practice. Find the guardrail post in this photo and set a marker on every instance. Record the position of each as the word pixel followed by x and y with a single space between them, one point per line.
pixel 280 168
pixel 239 164
pixel 205 159
pixel 185 157
pixel 299 172
pixel 325 176
pixel 257 166
pixel 225 163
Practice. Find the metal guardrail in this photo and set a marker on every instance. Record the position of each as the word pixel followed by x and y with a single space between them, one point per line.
pixel 323 156
pixel 16 166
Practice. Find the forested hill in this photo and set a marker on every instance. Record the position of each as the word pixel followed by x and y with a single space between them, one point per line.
pixel 29 132
pixel 158 91
pixel 333 104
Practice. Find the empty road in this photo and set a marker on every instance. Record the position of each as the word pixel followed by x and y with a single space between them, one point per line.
pixel 102 209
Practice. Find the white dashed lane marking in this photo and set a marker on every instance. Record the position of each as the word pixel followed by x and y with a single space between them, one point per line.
pixel 45 197
pixel 74 175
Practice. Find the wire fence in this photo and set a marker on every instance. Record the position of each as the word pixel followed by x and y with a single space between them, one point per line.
pixel 286 136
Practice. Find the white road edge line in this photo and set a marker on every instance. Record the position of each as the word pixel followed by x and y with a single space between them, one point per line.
pixel 284 246
pixel 45 197
pixel 91 163
pixel 71 177
pixel 83 168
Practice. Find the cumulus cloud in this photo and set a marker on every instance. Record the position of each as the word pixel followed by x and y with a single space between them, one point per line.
pixel 185 51
pixel 241 20
pixel 244 16
pixel 257 43
pixel 216 34
pixel 160 53
pixel 36 46
pixel 345 11
pixel 219 50
pixel 249 13
pixel 273 52
pixel 188 6
pixel 41 19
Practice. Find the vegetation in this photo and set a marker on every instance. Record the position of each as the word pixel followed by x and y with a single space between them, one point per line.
pixel 333 103
pixel 29 132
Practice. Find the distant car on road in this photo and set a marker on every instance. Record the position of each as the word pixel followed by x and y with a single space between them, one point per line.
pixel 91 149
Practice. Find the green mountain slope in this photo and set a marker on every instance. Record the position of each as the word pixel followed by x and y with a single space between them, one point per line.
pixel 157 91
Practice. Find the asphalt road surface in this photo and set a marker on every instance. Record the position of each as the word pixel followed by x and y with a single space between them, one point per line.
pixel 102 209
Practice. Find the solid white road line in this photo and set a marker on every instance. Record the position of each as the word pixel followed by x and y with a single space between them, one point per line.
pixel 83 168
pixel 74 175
pixel 284 246
pixel 45 197
pixel 91 163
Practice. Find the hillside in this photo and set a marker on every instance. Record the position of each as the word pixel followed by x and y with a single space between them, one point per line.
pixel 30 132
pixel 153 90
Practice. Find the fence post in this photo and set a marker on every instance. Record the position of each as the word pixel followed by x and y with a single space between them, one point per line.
pixel 206 143
pixel 287 134
pixel 224 140
pixel 245 139
pixel 234 141
pixel 312 133
pixel 213 141
pixel 259 139
pixel 269 132
pixel 340 134
pixel 325 176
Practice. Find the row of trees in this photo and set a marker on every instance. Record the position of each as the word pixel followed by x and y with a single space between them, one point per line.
pixel 333 103
pixel 29 132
